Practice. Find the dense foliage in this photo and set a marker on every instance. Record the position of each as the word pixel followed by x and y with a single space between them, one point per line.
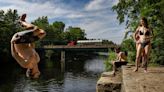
pixel 8 27
pixel 56 33
pixel 108 63
pixel 131 11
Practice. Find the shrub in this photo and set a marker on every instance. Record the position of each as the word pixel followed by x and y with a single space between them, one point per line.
pixel 108 62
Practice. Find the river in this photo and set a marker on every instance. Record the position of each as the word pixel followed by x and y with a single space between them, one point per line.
pixel 79 76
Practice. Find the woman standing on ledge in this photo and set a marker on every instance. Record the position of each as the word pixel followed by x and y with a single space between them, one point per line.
pixel 23 47
pixel 142 37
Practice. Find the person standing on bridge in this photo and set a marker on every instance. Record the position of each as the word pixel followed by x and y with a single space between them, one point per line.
pixel 24 52
pixel 142 37
pixel 121 59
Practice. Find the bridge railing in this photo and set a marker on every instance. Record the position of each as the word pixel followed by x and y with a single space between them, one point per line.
pixel 79 46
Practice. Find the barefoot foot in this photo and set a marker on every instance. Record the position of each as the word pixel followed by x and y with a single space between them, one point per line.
pixel 135 70
pixel 145 71
pixel 22 18
pixel 113 73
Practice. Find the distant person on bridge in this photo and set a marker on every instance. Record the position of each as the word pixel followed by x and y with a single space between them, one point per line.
pixel 23 47
pixel 121 59
pixel 142 37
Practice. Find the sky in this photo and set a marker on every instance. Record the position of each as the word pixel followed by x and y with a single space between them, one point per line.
pixel 94 16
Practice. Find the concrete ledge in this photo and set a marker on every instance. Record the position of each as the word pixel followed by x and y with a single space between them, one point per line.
pixel 109 83
pixel 152 81
pixel 128 81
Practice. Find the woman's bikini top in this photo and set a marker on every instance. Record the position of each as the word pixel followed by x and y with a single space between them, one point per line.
pixel 141 32
pixel 147 33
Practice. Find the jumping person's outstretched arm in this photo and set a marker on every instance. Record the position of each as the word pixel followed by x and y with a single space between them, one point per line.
pixel 13 51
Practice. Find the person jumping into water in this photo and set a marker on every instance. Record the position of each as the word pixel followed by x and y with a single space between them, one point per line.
pixel 23 49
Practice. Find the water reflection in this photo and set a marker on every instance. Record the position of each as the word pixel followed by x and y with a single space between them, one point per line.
pixel 79 83
pixel 79 76
pixel 94 66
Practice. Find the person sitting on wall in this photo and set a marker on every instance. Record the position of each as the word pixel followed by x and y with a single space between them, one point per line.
pixel 121 59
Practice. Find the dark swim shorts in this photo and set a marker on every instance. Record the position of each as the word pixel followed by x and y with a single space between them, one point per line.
pixel 120 63
pixel 26 37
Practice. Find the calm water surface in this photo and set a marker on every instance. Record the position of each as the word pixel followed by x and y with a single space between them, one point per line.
pixel 79 76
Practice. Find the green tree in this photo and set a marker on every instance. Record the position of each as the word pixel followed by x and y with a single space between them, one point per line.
pixel 75 33
pixel 55 32
pixel 58 28
pixel 8 26
pixel 41 22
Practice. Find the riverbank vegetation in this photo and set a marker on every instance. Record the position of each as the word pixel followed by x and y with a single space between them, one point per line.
pixel 110 59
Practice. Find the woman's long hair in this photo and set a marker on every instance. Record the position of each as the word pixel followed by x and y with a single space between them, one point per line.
pixel 145 21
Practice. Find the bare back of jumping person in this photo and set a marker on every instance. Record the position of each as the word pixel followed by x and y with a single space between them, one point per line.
pixel 22 49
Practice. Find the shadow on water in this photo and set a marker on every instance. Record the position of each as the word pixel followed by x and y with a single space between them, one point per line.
pixel 81 74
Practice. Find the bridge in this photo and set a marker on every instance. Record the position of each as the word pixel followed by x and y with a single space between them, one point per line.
pixel 63 48
pixel 104 47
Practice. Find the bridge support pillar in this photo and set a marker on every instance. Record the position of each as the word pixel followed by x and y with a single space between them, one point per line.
pixel 63 60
